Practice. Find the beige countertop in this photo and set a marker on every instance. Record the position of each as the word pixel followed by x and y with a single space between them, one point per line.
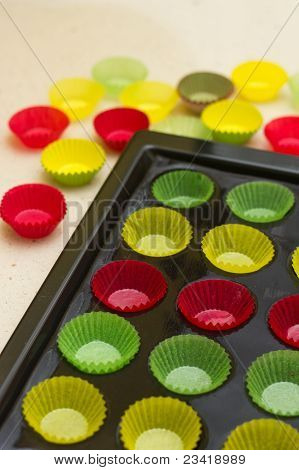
pixel 45 40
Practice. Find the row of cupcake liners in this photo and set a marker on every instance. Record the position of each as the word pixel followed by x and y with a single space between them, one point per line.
pixel 227 120
pixel 173 324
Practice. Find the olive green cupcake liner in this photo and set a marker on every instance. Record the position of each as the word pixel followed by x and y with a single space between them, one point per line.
pixel 261 201
pixel 183 189
pixel 64 410
pixel 263 434
pixel 190 364
pixel 98 342
pixel 186 126
pixel 157 232
pixel 160 423
pixel 273 382
pixel 202 88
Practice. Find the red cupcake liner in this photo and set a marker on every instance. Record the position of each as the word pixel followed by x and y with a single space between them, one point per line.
pixel 128 285
pixel 33 210
pixel 38 126
pixel 283 320
pixel 116 126
pixel 283 134
pixel 216 304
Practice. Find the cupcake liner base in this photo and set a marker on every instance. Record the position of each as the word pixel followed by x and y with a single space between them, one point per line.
pixel 159 439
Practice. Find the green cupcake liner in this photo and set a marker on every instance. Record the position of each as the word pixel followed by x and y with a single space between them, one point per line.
pixel 190 364
pixel 115 73
pixel 186 126
pixel 183 189
pixel 98 342
pixel 273 382
pixel 260 201
pixel 294 87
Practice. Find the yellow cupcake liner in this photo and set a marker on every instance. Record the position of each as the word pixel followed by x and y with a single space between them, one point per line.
pixel 263 434
pixel 237 248
pixel 157 232
pixel 160 423
pixel 64 410
pixel 259 80
pixel 232 121
pixel 295 261
pixel 77 97
pixel 73 162
pixel 156 99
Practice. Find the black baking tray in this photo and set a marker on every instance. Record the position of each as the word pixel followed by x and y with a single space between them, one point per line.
pixel 31 355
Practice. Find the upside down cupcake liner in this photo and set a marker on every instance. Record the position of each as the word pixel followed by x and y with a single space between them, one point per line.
pixel 273 382
pixel 129 285
pixel 38 126
pixel 98 342
pixel 73 162
pixel 64 410
pixel 183 188
pixel 284 320
pixel 237 248
pixel 160 423
pixel 77 97
pixel 156 99
pixel 190 364
pixel 232 121
pixel 260 201
pixel 118 125
pixel 283 134
pixel 216 304
pixel 294 88
pixel 263 434
pixel 157 232
pixel 259 80
pixel 115 73
pixel 186 126
pixel 33 210
pixel 199 89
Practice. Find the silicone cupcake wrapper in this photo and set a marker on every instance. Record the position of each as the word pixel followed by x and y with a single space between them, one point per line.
pixel 201 88
pixel 190 364
pixel 156 99
pixel 232 121
pixel 260 201
pixel 295 261
pixel 284 320
pixel 118 125
pixel 183 188
pixel 116 73
pixel 77 97
pixel 33 210
pixel 186 126
pixel 64 410
pixel 259 80
pixel 157 232
pixel 129 285
pixel 283 134
pixel 38 126
pixel 237 248
pixel 263 434
pixel 294 87
pixel 216 304
pixel 160 423
pixel 273 382
pixel 98 342
pixel 73 162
